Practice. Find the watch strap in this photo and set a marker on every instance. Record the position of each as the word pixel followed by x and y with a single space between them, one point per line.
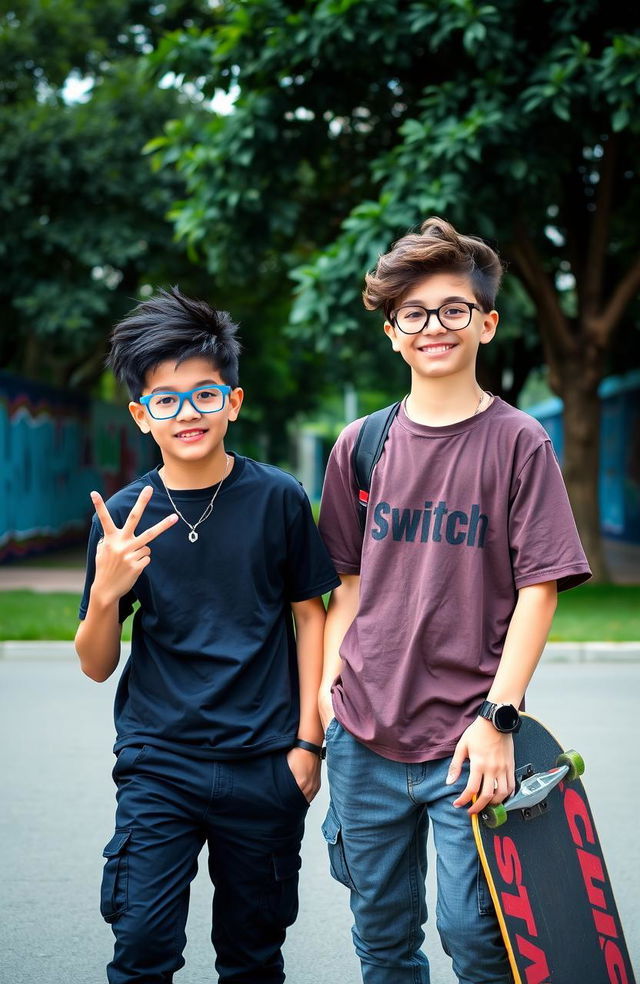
pixel 487 710
pixel 309 746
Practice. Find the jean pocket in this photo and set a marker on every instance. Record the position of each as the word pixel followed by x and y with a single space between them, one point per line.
pixel 331 729
pixel 332 832
pixel 114 896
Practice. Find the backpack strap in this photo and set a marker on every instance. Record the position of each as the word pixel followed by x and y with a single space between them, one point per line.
pixel 367 450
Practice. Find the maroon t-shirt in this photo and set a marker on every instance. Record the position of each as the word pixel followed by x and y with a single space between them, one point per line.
pixel 459 518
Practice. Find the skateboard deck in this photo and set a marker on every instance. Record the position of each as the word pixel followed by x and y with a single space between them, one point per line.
pixel 546 872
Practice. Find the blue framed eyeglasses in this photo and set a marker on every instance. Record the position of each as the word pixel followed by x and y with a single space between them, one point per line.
pixel 203 399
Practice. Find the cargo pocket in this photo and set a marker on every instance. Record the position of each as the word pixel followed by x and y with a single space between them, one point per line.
pixel 280 904
pixel 332 832
pixel 114 894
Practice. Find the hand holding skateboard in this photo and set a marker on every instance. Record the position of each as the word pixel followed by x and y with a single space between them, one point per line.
pixel 491 766
pixel 546 872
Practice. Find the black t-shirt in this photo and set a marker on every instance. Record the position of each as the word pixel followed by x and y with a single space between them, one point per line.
pixel 213 667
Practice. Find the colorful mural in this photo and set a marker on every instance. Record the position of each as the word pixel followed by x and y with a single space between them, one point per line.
pixel 55 446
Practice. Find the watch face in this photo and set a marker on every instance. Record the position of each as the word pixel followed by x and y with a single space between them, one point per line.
pixel 506 718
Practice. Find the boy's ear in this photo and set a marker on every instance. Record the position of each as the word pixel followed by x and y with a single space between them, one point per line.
pixel 489 325
pixel 392 335
pixel 236 396
pixel 139 414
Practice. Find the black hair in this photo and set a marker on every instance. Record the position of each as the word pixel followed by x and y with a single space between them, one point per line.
pixel 170 326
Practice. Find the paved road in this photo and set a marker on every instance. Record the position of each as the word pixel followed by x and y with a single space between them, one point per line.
pixel 56 813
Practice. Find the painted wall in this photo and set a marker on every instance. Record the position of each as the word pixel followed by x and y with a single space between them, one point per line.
pixel 619 483
pixel 55 446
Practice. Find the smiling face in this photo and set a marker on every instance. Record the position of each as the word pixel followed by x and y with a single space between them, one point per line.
pixel 192 439
pixel 437 351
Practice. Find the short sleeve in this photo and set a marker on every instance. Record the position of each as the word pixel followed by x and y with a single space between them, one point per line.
pixel 310 572
pixel 126 602
pixel 543 538
pixel 339 523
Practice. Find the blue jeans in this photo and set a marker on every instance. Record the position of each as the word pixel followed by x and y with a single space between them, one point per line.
pixel 376 830
pixel 251 813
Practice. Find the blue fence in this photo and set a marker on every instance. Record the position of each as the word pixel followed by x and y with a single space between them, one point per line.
pixel 619 485
pixel 55 446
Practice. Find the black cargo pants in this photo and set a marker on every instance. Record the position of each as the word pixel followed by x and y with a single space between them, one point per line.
pixel 251 813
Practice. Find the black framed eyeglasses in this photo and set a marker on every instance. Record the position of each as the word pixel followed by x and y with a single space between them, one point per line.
pixel 454 315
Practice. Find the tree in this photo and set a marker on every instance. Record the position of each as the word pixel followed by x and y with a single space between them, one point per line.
pixel 355 119
pixel 84 220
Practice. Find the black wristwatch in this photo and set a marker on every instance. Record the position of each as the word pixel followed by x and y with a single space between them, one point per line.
pixel 309 746
pixel 504 717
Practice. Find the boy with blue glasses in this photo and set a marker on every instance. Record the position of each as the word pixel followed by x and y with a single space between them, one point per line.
pixel 443 611
pixel 218 734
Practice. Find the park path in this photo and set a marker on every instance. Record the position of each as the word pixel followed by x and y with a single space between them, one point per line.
pixel 56 814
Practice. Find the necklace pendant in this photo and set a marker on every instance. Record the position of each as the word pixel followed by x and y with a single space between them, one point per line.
pixel 193 536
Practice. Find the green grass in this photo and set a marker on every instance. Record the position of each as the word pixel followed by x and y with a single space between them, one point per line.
pixel 598 613
pixel 593 612
pixel 31 615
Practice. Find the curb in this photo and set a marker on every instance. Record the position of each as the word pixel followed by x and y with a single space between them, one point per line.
pixel 592 652
pixel 555 652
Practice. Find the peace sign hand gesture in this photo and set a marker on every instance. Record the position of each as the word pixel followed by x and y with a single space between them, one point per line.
pixel 121 556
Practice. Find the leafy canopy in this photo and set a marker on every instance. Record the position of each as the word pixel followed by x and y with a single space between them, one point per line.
pixel 354 119
pixel 83 220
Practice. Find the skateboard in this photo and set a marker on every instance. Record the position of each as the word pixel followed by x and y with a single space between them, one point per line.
pixel 548 880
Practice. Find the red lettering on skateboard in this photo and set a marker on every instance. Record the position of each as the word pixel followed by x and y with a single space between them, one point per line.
pixel 606 926
pixel 615 963
pixel 518 906
pixel 576 810
pixel 538 970
pixel 592 869
pixel 592 872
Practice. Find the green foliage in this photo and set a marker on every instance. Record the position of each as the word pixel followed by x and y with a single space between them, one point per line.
pixel 84 222
pixel 506 142
pixel 353 121
pixel 42 43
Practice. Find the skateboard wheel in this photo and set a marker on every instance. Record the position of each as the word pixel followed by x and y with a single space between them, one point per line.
pixel 494 816
pixel 575 762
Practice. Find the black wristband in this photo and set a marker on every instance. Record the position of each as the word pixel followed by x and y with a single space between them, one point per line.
pixel 310 747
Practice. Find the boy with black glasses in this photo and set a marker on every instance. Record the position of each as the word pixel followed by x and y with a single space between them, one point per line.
pixel 218 734
pixel 444 608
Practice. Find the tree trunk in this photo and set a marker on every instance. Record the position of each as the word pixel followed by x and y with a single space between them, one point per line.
pixel 577 385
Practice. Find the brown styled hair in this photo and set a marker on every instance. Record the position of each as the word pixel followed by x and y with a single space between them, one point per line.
pixel 437 248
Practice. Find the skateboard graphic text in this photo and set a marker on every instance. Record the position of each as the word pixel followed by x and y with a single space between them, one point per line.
pixel 547 876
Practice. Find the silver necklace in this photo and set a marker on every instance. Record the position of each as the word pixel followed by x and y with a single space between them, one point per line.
pixel 482 396
pixel 193 536
pixel 477 409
